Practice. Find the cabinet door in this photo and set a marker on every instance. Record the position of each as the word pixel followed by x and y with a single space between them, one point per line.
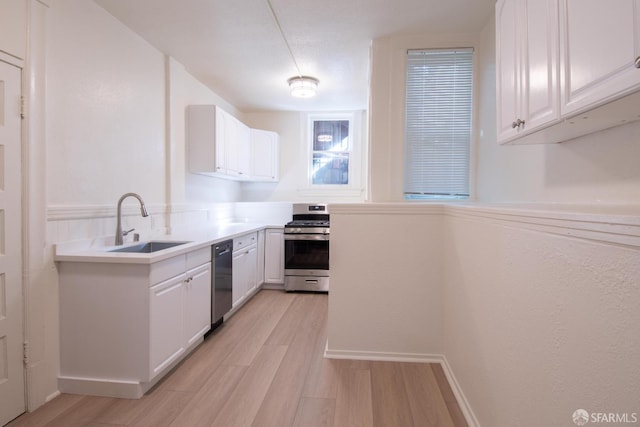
pixel 244 273
pixel 239 281
pixel 251 265
pixel 264 155
pixel 221 135
pixel 600 43
pixel 527 50
pixel 197 303
pixel 260 254
pixel 508 46
pixel 540 64
pixel 274 256
pixel 237 148
pixel 166 336
pixel 206 127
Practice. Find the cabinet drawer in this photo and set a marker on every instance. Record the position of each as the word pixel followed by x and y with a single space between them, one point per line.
pixel 165 269
pixel 198 257
pixel 245 241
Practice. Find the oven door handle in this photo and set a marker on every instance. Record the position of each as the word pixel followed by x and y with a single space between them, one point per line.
pixel 306 237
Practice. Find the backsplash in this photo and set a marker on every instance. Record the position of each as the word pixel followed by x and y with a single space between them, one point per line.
pixel 97 224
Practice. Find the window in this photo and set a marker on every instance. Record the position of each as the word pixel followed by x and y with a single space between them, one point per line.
pixel 330 152
pixel 336 154
pixel 439 96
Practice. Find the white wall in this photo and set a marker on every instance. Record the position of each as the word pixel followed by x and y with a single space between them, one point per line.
pixel 597 168
pixel 534 312
pixel 538 320
pixel 194 199
pixel 106 116
pixel 539 324
pixel 295 140
pixel 388 75
pixel 105 109
pixel 386 282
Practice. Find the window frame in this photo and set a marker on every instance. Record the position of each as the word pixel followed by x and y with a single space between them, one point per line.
pixel 357 157
pixel 348 151
pixel 408 196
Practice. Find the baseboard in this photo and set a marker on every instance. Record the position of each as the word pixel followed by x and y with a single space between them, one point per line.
pixel 273 286
pixel 102 387
pixel 467 412
pixel 382 356
pixel 52 396
pixel 463 403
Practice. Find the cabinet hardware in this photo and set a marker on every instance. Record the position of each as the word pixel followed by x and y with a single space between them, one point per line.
pixel 637 63
pixel 517 123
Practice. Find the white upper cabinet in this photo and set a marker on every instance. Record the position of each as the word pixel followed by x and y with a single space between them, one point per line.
pixel 526 66
pixel 205 127
pixel 13 27
pixel 218 143
pixel 600 51
pixel 237 148
pixel 565 68
pixel 221 145
pixel 264 155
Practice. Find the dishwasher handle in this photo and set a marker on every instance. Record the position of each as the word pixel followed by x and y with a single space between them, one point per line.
pixel 222 248
pixel 224 252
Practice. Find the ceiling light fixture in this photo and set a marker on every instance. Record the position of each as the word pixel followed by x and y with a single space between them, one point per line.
pixel 301 86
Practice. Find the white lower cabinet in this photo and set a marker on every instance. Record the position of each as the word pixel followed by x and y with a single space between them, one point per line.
pixel 274 256
pixel 197 303
pixel 180 311
pixel 123 325
pixel 261 256
pixel 245 263
pixel 166 340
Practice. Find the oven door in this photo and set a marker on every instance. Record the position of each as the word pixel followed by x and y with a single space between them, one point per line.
pixel 306 254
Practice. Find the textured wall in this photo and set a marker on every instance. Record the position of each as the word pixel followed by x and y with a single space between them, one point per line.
pixel 534 309
pixel 537 325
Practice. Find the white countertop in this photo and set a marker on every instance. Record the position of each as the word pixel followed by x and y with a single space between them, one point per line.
pixel 86 251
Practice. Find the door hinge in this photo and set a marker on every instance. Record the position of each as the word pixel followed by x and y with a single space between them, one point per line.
pixel 22 102
pixel 25 353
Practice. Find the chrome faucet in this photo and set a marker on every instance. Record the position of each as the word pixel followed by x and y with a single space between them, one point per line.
pixel 143 211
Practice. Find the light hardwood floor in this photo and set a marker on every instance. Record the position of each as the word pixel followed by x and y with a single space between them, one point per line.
pixel 265 367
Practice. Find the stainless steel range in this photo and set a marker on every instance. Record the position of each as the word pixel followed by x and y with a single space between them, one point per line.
pixel 306 249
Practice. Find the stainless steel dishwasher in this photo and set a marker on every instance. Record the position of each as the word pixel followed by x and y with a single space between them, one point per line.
pixel 222 281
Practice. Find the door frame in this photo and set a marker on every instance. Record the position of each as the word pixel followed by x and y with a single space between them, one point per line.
pixel 24 216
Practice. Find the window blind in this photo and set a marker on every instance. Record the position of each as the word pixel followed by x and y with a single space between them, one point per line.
pixel 439 97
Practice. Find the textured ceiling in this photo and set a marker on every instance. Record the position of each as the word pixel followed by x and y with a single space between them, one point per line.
pixel 235 47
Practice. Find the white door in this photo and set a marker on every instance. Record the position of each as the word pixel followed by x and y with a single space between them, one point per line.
pixel 11 306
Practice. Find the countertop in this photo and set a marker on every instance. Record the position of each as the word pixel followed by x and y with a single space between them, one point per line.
pixel 95 252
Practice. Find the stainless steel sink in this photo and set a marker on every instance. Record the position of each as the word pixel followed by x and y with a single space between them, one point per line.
pixel 149 247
